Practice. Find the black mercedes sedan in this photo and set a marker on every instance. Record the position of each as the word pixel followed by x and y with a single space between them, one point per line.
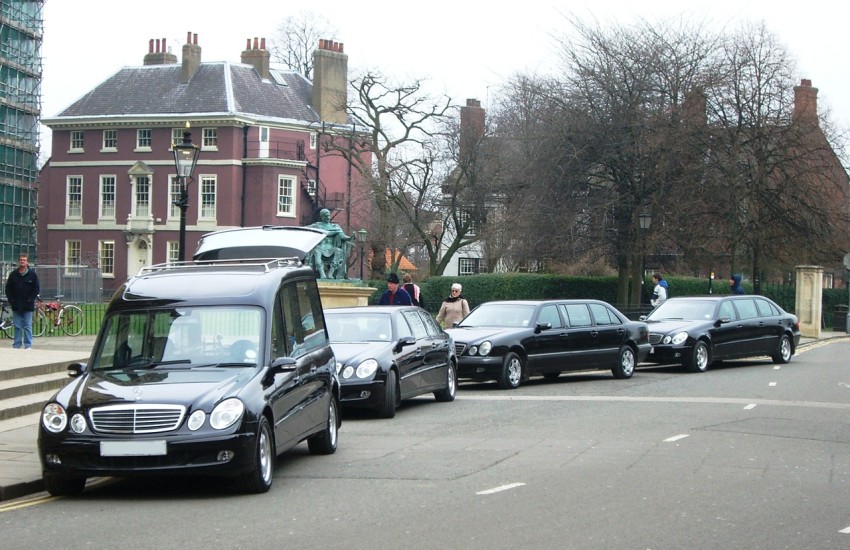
pixel 386 354
pixel 510 341
pixel 697 331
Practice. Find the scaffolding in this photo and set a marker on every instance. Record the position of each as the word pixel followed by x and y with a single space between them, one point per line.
pixel 21 31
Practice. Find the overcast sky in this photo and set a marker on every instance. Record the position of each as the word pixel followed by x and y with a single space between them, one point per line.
pixel 464 48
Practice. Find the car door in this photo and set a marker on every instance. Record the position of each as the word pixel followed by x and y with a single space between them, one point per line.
pixel 610 334
pixel 751 339
pixel 579 340
pixel 770 324
pixel 726 336
pixel 437 356
pixel 410 359
pixel 549 352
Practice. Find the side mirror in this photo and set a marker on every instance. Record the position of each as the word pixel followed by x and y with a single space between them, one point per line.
pixel 541 327
pixel 281 365
pixel 76 369
pixel 405 341
pixel 722 321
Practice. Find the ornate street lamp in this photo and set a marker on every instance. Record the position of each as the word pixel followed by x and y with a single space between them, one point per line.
pixel 360 236
pixel 185 158
pixel 645 220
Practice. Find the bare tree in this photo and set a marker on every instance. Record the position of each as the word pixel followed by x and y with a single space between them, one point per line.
pixel 296 38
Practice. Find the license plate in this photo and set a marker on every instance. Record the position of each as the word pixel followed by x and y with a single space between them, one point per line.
pixel 133 448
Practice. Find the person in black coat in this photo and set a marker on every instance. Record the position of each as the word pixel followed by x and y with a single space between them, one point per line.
pixel 22 289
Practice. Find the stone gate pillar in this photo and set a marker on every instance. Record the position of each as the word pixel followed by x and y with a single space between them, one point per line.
pixel 809 303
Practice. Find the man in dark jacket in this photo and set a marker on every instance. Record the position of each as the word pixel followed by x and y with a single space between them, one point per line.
pixel 395 295
pixel 735 284
pixel 22 289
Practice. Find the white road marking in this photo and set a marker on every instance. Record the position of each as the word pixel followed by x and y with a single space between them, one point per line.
pixel 675 438
pixel 500 488
pixel 750 406
pixel 772 384
pixel 846 531
pixel 777 367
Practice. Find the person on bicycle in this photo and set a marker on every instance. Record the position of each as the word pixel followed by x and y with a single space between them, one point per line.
pixel 22 289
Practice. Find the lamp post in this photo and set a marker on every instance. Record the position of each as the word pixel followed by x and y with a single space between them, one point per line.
pixel 360 235
pixel 185 158
pixel 645 220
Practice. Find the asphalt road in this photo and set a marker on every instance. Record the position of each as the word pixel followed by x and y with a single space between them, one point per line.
pixel 746 455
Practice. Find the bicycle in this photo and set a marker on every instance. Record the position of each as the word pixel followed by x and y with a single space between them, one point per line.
pixel 54 314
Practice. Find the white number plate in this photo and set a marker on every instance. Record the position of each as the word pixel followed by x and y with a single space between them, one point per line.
pixel 133 448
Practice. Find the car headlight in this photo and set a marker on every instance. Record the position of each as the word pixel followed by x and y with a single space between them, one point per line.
pixel 226 413
pixel 78 423
pixel 196 420
pixel 485 348
pixel 473 350
pixel 54 418
pixel 679 338
pixel 348 372
pixel 367 368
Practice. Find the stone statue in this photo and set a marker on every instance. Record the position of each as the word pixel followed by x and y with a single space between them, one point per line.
pixel 330 257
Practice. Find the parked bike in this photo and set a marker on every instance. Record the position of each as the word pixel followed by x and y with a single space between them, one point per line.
pixel 54 314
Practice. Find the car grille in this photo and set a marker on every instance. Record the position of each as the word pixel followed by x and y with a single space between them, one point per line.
pixel 137 419
pixel 460 348
pixel 655 338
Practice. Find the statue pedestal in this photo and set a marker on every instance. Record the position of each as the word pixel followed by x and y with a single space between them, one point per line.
pixel 344 293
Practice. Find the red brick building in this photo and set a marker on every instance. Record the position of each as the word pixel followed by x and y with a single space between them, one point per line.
pixel 106 195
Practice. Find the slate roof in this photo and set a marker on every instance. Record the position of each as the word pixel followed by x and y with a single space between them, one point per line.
pixel 218 88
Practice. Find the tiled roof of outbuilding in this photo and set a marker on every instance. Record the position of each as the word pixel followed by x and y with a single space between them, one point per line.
pixel 215 88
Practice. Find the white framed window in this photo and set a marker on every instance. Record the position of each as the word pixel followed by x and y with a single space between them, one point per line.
pixel 172 251
pixel 77 142
pixel 110 140
pixel 173 197
pixel 286 196
pixel 470 266
pixel 143 139
pixel 107 198
pixel 142 197
pixel 466 218
pixel 314 138
pixel 74 197
pixel 207 189
pixel 106 258
pixel 73 257
pixel 210 138
pixel 176 136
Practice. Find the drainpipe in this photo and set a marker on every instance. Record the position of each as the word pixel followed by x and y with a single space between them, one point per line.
pixel 244 175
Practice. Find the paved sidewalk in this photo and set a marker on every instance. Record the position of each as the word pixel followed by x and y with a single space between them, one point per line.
pixel 20 470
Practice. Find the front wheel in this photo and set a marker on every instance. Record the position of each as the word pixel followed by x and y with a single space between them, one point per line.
pixel 388 406
pixel 71 320
pixel 64 486
pixel 626 362
pixel 324 442
pixel 783 351
pixel 39 323
pixel 259 480
pixel 448 393
pixel 511 374
pixel 700 357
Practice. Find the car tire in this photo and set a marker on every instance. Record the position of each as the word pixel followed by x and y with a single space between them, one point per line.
pixel 387 408
pixel 64 486
pixel 448 393
pixel 259 480
pixel 512 371
pixel 783 351
pixel 626 363
pixel 700 357
pixel 324 442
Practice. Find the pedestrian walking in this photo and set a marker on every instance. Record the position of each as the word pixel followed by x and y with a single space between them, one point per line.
pixel 394 295
pixel 735 284
pixel 454 308
pixel 413 289
pixel 22 290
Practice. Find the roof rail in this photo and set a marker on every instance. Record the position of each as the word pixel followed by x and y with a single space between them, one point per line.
pixel 248 264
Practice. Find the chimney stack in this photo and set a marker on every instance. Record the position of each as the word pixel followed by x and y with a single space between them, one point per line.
pixel 191 56
pixel 330 82
pixel 471 128
pixel 806 103
pixel 258 56
pixel 159 55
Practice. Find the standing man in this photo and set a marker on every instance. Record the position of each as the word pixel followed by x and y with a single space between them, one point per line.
pixel 659 293
pixel 735 284
pixel 395 296
pixel 22 289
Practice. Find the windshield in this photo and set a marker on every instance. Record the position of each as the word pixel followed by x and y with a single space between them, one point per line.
pixel 364 327
pixel 685 310
pixel 181 338
pixel 499 315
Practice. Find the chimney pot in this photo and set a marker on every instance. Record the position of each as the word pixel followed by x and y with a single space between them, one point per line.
pixel 150 46
pixel 189 37
pixel 256 43
pixel 262 43
pixel 248 44
pixel 196 38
